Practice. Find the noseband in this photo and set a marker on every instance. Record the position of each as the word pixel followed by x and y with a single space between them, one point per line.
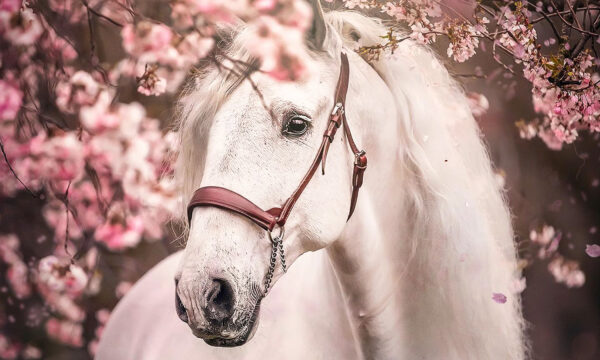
pixel 277 216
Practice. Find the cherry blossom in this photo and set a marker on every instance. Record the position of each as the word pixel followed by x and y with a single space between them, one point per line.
pixel 21 28
pixel 593 250
pixel 566 272
pixel 18 272
pixel 499 298
pixel 61 276
pixel 119 233
pixel 10 100
pixel 563 270
pixel 66 332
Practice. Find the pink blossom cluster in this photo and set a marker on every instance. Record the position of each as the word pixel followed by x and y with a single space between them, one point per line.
pixel 161 55
pixel 566 272
pixel 10 350
pixel 422 17
pixel 64 331
pixel 18 272
pixel 564 109
pixel 100 166
pixel 563 270
pixel 565 85
pixel 464 38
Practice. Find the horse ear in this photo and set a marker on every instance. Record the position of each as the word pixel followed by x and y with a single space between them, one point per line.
pixel 318 31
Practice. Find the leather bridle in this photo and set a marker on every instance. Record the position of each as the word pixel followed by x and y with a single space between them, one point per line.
pixel 229 200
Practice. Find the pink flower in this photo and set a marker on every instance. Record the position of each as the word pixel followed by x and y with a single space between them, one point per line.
pixel 31 352
pixel 102 316
pixel 23 32
pixel 10 6
pixel 592 250
pixel 66 332
pixel 478 103
pixel 395 11
pixel 151 84
pixel 57 218
pixel 80 90
pixel 122 289
pixel 17 273
pixel 99 117
pixel 195 47
pixel 73 9
pixel 8 349
pixel 84 198
pixel 10 100
pixel 279 48
pixel 147 40
pixel 118 232
pixel 550 139
pixel 264 5
pixel 558 109
pixel 499 298
pixel 543 237
pixel 566 272
pixel 60 276
pixel 64 158
pixel 17 276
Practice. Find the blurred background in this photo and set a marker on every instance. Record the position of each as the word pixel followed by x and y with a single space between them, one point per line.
pixel 544 187
pixel 560 189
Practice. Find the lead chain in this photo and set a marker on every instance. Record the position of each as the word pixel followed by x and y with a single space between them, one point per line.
pixel 271 267
pixel 282 255
pixel 275 244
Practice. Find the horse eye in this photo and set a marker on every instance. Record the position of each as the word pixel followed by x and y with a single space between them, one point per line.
pixel 297 125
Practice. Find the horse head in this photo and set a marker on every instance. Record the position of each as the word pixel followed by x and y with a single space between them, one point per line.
pixel 260 143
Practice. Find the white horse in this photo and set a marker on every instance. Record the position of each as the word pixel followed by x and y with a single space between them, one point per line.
pixel 409 276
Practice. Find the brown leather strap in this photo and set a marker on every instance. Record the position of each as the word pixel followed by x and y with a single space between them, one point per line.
pixel 229 200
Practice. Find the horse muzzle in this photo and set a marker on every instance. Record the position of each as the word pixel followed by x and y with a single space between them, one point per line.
pixel 212 315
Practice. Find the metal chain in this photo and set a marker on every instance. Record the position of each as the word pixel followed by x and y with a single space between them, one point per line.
pixel 276 244
pixel 272 263
pixel 282 255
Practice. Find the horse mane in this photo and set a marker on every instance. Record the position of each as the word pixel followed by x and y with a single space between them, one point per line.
pixel 460 234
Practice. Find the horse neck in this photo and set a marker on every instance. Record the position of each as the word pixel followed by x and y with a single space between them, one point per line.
pixel 364 257
pixel 402 296
pixel 365 262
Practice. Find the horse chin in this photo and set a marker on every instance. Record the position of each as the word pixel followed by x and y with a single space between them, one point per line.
pixel 245 334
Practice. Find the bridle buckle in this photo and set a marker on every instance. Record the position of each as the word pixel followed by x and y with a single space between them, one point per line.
pixel 339 107
pixel 360 160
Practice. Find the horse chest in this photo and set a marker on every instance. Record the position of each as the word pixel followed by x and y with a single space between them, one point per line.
pixel 302 318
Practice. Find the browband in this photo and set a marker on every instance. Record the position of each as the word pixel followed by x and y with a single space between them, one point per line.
pixel 229 200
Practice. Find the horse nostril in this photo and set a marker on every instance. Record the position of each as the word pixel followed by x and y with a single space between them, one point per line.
pixel 219 301
pixel 181 312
